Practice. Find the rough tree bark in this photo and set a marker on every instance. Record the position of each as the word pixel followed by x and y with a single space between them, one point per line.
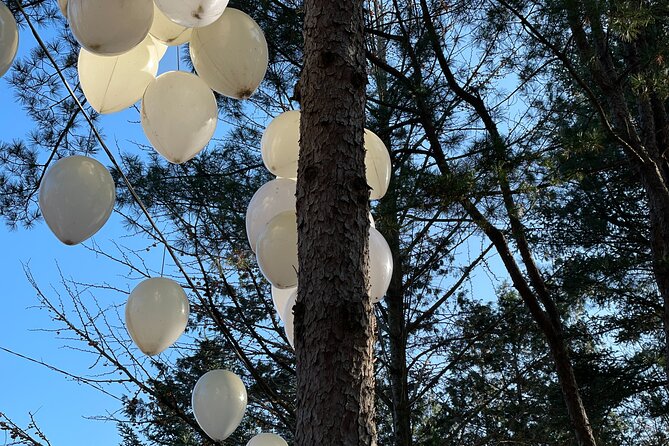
pixel 334 321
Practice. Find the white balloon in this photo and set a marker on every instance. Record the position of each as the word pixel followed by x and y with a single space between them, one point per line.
pixel 9 38
pixel 62 4
pixel 179 115
pixel 380 265
pixel 76 198
pixel 230 54
pixel 192 13
pixel 289 318
pixel 280 144
pixel 219 403
pixel 168 32
pixel 112 84
pixel 156 314
pixel 110 27
pixel 280 297
pixel 377 162
pixel 267 440
pixel 273 198
pixel 277 250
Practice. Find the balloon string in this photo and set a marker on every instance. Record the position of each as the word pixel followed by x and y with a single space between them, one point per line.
pixel 162 268
pixel 178 59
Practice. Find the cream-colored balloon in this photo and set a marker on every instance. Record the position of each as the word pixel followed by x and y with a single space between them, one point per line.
pixel 112 84
pixel 267 440
pixel 277 250
pixel 167 31
pixel 192 13
pixel 377 162
pixel 110 27
pixel 179 115
pixel 62 4
pixel 273 198
pixel 76 198
pixel 289 318
pixel 219 402
pixel 230 54
pixel 280 144
pixel 9 38
pixel 156 314
pixel 380 265
pixel 280 297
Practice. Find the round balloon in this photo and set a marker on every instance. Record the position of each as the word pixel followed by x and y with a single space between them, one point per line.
pixel 273 198
pixel 192 13
pixel 380 265
pixel 289 318
pixel 280 144
pixel 112 84
pixel 230 54
pixel 167 31
pixel 9 38
pixel 110 27
pixel 156 314
pixel 179 115
pixel 277 250
pixel 267 440
pixel 76 198
pixel 280 298
pixel 219 402
pixel 377 162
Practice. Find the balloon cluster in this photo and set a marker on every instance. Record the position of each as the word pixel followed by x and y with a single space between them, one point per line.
pixel 271 222
pixel 122 43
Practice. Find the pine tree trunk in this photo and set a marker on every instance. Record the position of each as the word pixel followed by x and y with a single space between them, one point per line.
pixel 334 321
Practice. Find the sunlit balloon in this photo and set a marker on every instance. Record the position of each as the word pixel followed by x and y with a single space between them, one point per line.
pixel 192 13
pixel 76 198
pixel 110 27
pixel 280 297
pixel 168 32
pixel 179 115
pixel 377 162
pixel 62 4
pixel 267 440
pixel 156 314
pixel 280 144
pixel 277 250
pixel 9 38
pixel 219 403
pixel 380 265
pixel 230 54
pixel 289 318
pixel 273 198
pixel 114 83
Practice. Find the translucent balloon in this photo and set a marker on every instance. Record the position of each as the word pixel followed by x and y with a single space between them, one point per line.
pixel 110 27
pixel 112 84
pixel 76 198
pixel 289 318
pixel 273 198
pixel 380 265
pixel 377 162
pixel 9 38
pixel 62 4
pixel 230 54
pixel 277 250
pixel 167 31
pixel 219 403
pixel 267 440
pixel 156 314
pixel 179 115
pixel 280 144
pixel 280 297
pixel 192 13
